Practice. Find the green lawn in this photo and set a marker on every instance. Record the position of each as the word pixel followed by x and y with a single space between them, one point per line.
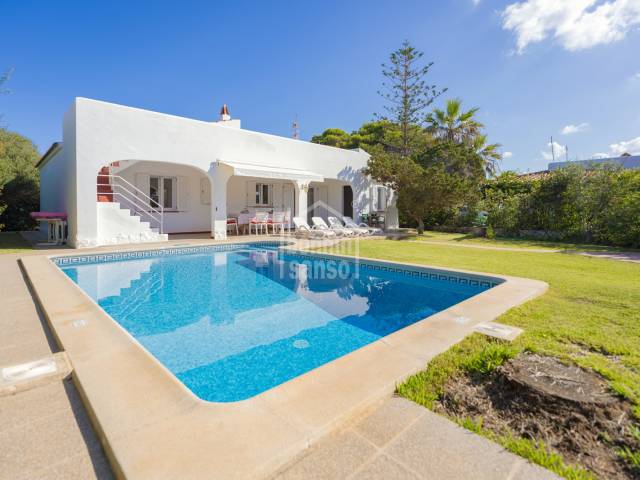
pixel 467 239
pixel 11 242
pixel 589 316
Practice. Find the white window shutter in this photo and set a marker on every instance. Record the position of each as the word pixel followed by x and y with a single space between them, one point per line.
pixel 251 194
pixel 142 183
pixel 184 193
pixel 271 199
pixel 205 191
pixel 276 196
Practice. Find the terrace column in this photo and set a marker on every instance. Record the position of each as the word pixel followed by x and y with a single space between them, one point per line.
pixel 302 187
pixel 219 175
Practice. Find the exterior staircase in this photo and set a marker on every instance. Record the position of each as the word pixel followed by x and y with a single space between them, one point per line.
pixel 118 223
pixel 105 192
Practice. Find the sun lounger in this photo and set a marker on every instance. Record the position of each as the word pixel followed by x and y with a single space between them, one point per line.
pixel 334 222
pixel 320 224
pixel 303 230
pixel 348 221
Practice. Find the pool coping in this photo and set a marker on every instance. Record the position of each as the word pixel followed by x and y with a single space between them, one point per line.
pixel 150 428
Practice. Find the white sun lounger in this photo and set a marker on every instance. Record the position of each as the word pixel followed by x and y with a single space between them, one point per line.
pixel 334 222
pixel 320 224
pixel 303 230
pixel 348 221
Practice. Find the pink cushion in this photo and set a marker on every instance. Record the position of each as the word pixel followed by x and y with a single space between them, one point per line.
pixel 49 215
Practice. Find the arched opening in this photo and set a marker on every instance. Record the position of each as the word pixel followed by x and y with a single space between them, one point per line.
pixel 169 197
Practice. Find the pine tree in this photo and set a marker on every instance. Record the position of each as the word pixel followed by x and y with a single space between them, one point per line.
pixel 408 94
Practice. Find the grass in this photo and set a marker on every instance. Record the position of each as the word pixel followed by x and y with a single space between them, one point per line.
pixel 537 452
pixel 468 239
pixel 589 317
pixel 12 242
pixel 632 457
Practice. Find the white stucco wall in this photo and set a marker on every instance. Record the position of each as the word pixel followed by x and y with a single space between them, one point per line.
pixel 97 133
pixel 53 184
pixel 71 183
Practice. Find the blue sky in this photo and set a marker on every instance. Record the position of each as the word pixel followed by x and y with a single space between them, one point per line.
pixel 533 67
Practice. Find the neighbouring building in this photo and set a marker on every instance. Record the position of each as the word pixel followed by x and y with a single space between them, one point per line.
pixel 624 161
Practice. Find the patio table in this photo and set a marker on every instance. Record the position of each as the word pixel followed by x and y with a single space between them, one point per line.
pixel 243 221
pixel 245 218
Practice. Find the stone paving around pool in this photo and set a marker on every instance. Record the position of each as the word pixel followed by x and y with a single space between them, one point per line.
pixel 403 440
pixel 45 431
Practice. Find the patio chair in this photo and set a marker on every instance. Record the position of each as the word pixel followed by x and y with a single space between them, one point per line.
pixel 348 221
pixel 232 223
pixel 259 222
pixel 334 222
pixel 287 220
pixel 319 223
pixel 303 230
pixel 277 222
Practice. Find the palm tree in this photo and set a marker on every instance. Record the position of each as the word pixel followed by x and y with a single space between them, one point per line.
pixel 488 153
pixel 453 123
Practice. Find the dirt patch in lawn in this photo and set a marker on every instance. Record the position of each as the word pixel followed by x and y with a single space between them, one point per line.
pixel 536 397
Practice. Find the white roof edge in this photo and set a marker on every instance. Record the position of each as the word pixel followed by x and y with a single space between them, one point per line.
pixel 218 125
pixel 49 154
pixel 263 171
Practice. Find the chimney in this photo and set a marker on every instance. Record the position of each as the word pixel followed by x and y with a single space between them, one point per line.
pixel 224 113
pixel 225 118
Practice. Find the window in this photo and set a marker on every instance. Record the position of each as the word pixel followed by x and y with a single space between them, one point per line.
pixel 163 191
pixel 154 191
pixel 263 194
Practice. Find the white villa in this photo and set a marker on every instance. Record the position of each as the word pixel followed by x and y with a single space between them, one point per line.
pixel 126 175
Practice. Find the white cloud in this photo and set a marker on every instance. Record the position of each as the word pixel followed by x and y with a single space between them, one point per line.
pixel 575 24
pixel 507 154
pixel 558 150
pixel 476 2
pixel 630 146
pixel 569 129
pixel 600 155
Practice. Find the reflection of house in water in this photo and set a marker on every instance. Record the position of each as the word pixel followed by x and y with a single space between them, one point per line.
pixel 109 279
pixel 363 299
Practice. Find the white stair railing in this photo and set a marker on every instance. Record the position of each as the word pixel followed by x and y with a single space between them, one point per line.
pixel 134 199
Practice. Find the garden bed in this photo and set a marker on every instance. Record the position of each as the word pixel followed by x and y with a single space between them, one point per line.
pixel 570 409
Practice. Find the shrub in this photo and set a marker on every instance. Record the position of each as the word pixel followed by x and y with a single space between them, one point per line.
pixel 599 205
pixel 19 181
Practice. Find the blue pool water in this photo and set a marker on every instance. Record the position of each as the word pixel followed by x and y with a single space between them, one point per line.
pixel 232 324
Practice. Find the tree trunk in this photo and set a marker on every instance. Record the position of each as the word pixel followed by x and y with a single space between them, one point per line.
pixel 420 226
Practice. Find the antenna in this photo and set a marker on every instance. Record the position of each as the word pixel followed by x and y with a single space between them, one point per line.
pixel 553 153
pixel 295 128
pixel 566 152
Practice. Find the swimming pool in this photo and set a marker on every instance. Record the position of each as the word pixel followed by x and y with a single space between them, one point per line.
pixel 232 321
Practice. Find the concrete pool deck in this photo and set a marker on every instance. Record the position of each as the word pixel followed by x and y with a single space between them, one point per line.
pixel 401 440
pixel 147 420
pixel 45 432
